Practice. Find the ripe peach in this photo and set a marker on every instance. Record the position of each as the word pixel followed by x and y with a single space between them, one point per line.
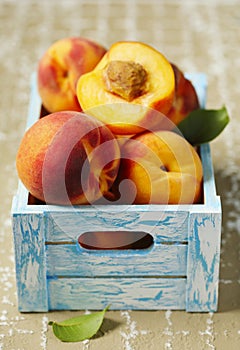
pixel 185 98
pixel 163 168
pixel 60 68
pixel 130 83
pixel 68 157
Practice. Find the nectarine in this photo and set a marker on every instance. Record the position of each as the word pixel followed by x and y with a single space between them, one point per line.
pixel 68 157
pixel 163 168
pixel 130 73
pixel 60 68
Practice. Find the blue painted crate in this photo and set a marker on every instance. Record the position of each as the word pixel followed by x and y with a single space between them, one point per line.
pixel 180 270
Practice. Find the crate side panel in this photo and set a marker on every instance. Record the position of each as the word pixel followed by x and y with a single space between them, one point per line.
pixel 30 261
pixel 199 80
pixel 164 226
pixel 69 260
pixel 121 293
pixel 35 104
pixel 209 186
pixel 203 262
pixel 19 202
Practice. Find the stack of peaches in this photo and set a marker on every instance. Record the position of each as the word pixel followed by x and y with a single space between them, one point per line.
pixel 109 131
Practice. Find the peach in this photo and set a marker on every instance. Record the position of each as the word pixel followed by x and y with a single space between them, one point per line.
pixel 163 168
pixel 185 98
pixel 60 68
pixel 130 83
pixel 68 157
pixel 109 240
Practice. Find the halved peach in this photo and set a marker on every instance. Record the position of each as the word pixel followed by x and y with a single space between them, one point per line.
pixel 128 86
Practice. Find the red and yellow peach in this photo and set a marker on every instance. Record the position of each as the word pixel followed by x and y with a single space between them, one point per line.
pixel 68 158
pixel 60 68
pixel 163 168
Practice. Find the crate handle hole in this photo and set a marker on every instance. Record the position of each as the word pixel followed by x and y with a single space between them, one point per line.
pixel 115 240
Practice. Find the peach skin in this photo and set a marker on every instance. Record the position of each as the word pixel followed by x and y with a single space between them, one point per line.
pixel 60 68
pixel 68 158
pixel 185 97
pixel 163 168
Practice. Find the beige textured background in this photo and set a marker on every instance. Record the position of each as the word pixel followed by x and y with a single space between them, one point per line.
pixel 196 35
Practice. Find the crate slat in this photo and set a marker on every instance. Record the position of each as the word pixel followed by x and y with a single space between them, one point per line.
pixel 71 260
pixel 162 225
pixel 121 293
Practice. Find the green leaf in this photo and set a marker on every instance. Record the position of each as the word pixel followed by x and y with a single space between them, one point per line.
pixel 203 125
pixel 78 328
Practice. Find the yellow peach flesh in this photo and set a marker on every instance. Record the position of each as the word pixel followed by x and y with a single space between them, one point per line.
pixel 114 110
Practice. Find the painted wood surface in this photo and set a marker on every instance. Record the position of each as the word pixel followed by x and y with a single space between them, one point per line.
pixel 163 226
pixel 71 260
pixel 29 245
pixel 211 199
pixel 35 104
pixel 203 262
pixel 121 293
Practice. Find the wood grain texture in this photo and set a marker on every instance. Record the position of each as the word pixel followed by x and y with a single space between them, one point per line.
pixel 29 244
pixel 164 226
pixel 72 260
pixel 121 293
pixel 203 262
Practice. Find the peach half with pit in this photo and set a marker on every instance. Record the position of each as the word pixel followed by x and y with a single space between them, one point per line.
pixel 130 73
pixel 60 68
pixel 161 168
pixel 68 157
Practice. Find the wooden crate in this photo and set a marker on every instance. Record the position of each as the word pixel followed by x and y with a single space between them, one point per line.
pixel 180 270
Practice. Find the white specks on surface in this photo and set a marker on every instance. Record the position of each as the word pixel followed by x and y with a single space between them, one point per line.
pixel 5 278
pixel 226 281
pixel 86 344
pixel 168 314
pixel 44 330
pixel 209 332
pixel 10 332
pixel 131 331
pixel 3 318
pixel 24 331
pixel 168 330
pixel 226 332
pixel 183 332
pixel 5 300
pixel 11 329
